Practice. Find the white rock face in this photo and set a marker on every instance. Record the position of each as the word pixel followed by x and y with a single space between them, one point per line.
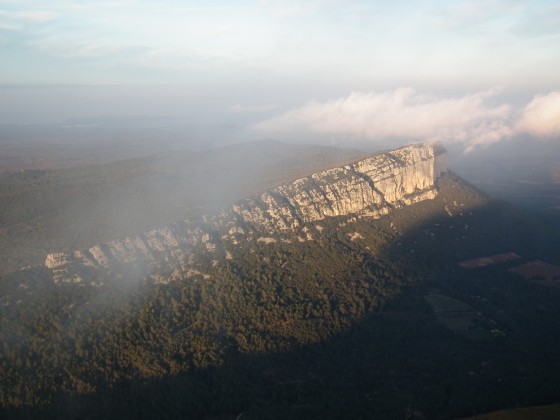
pixel 56 260
pixel 371 186
pixel 368 188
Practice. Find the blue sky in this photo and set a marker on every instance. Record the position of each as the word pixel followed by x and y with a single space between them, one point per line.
pixel 267 57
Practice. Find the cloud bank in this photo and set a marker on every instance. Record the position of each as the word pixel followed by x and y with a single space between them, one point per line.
pixel 541 117
pixel 473 120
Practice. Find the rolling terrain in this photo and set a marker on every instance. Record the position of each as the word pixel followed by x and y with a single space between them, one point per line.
pixel 351 315
pixel 75 207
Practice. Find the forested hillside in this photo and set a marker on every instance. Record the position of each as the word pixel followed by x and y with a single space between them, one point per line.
pixel 344 325
pixel 43 211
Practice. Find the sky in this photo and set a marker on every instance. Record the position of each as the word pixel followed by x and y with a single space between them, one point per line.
pixel 472 72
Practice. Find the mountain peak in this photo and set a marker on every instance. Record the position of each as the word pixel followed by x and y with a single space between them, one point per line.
pixel 368 188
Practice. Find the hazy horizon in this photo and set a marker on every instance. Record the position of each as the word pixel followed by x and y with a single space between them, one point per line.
pixel 322 71
pixel 192 223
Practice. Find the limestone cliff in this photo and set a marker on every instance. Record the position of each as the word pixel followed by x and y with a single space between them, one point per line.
pixel 370 187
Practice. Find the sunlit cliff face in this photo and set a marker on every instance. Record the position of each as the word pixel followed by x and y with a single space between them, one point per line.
pixel 370 188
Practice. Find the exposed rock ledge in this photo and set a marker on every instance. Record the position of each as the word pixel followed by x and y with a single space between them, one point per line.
pixel 371 187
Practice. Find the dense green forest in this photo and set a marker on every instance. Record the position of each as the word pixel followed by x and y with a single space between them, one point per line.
pixel 335 327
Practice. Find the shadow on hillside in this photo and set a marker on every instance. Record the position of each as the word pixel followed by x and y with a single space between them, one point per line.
pixel 397 363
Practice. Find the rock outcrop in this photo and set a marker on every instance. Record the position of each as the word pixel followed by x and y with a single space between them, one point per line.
pixel 371 187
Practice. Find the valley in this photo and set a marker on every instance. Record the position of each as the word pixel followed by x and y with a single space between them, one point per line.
pixel 279 210
pixel 347 315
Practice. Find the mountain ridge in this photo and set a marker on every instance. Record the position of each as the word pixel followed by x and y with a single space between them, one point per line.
pixel 376 314
pixel 370 187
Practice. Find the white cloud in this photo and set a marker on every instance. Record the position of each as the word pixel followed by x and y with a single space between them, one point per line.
pixel 402 113
pixel 473 120
pixel 469 14
pixel 33 16
pixel 9 27
pixel 541 117
pixel 241 108
pixel 81 49
pixel 548 19
pixel 287 8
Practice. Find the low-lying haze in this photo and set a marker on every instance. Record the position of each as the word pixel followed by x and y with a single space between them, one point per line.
pixel 474 119
pixel 119 117
pixel 137 77
pixel 290 62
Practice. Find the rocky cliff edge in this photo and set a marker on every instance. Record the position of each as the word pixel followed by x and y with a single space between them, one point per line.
pixel 371 187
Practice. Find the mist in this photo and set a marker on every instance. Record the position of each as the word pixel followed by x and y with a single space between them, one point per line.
pixel 489 133
pixel 125 124
pixel 472 120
